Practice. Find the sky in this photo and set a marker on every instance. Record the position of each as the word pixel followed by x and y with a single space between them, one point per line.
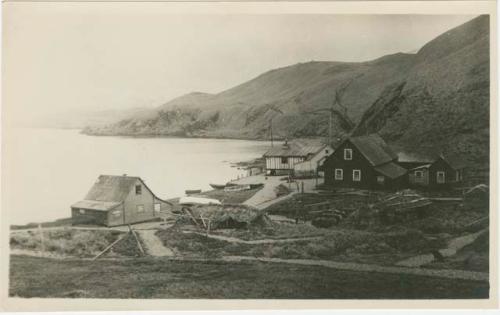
pixel 68 57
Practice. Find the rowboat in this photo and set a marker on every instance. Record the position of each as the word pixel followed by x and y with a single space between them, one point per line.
pixel 217 186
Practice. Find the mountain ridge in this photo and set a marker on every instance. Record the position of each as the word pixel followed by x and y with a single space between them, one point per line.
pixel 447 77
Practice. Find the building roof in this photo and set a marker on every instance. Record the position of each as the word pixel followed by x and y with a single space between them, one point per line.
pixel 111 188
pixel 455 161
pixel 391 170
pixel 421 167
pixel 301 148
pixel 374 148
pixel 411 157
pixel 96 205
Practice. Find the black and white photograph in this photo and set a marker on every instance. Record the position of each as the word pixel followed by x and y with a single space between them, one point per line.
pixel 154 153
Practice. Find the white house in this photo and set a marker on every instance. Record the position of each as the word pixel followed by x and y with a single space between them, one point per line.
pixel 296 157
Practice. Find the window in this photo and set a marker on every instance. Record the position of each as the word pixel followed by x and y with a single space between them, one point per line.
pixel 419 174
pixel 82 211
pixel 380 179
pixel 458 176
pixel 116 213
pixel 440 177
pixel 140 208
pixel 339 174
pixel 326 151
pixel 157 207
pixel 356 175
pixel 347 154
pixel 138 189
pixel 284 160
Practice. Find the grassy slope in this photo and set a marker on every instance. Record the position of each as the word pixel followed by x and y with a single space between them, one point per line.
pixel 242 112
pixel 443 104
pixel 157 278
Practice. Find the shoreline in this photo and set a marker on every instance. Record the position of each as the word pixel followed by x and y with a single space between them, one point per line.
pixel 173 136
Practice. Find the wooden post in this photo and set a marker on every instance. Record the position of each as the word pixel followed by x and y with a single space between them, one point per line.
pixel 302 186
pixel 208 228
pixel 137 240
pixel 203 220
pixel 42 240
pixel 191 215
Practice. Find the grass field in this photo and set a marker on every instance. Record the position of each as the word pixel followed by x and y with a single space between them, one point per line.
pixel 161 278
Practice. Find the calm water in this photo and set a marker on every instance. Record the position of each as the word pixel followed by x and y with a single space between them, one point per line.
pixel 46 170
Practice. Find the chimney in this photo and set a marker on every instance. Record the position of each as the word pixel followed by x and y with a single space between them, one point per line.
pixel 285 145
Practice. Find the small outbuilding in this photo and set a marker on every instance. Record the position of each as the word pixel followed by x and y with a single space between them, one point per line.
pixel 119 200
pixel 440 173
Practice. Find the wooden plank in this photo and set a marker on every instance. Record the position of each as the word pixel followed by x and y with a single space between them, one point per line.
pixel 203 220
pixel 109 247
pixel 137 240
pixel 191 215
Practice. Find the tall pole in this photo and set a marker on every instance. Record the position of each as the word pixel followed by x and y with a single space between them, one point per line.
pixel 330 129
pixel 271 129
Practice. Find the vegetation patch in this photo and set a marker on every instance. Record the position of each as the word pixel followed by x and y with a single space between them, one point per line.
pixel 150 278
pixel 65 242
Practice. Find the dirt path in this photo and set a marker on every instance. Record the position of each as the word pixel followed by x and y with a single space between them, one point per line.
pixel 255 242
pixel 441 273
pixel 266 196
pixel 154 246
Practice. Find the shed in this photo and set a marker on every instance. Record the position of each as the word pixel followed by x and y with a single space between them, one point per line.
pixel 119 200
pixel 440 173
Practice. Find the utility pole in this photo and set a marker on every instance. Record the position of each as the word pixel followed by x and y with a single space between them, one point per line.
pixel 271 107
pixel 271 130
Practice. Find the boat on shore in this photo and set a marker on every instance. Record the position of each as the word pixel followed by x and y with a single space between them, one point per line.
pixel 218 186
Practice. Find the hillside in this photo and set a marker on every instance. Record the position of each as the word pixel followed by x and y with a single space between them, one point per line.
pixel 443 103
pixel 244 111
pixel 436 98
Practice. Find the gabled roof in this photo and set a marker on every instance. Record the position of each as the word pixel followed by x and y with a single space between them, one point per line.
pixel 455 161
pixel 391 170
pixel 301 148
pixel 374 148
pixel 111 188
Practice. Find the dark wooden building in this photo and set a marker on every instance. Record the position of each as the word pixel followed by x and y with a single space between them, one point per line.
pixel 364 162
pixel 441 173
pixel 119 200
